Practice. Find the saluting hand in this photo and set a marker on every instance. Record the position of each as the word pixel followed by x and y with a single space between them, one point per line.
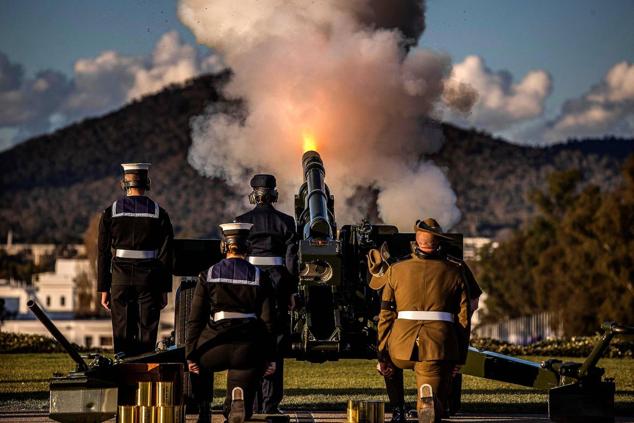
pixel 193 367
pixel 270 369
pixel 105 300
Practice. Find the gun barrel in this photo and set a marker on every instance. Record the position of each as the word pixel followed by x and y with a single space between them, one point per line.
pixel 50 326
pixel 316 199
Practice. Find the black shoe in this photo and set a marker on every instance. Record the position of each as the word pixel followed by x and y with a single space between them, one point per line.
pixel 398 415
pixel 274 411
pixel 236 415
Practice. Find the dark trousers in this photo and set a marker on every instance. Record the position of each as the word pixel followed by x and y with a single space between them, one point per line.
pixel 135 318
pixel 271 389
pixel 244 364
pixel 395 389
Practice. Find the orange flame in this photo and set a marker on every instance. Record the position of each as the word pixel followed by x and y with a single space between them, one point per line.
pixel 310 144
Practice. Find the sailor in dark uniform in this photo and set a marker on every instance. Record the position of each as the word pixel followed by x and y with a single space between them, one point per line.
pixel 134 263
pixel 272 236
pixel 231 325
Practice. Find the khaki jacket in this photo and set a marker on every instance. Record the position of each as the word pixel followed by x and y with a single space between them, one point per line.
pixel 424 284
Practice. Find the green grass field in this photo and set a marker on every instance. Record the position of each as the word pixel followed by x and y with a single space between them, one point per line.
pixel 328 386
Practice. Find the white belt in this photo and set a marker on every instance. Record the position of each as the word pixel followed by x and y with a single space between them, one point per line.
pixel 221 315
pixel 265 261
pixel 136 254
pixel 426 315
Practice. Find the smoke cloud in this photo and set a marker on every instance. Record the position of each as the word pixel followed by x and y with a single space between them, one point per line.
pixel 345 74
pixel 606 109
pixel 501 103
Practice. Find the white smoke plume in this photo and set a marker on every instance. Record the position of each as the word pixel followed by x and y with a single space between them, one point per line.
pixel 336 73
pixel 502 102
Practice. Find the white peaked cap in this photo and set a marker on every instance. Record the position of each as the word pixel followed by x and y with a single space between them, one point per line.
pixel 135 166
pixel 234 228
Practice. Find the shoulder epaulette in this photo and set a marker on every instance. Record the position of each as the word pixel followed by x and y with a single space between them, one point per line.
pixel 454 260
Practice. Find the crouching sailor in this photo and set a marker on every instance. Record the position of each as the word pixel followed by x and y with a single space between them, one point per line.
pixel 231 325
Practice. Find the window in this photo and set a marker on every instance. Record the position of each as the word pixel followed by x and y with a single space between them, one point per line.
pixel 88 341
pixel 105 341
pixel 62 301
pixel 48 301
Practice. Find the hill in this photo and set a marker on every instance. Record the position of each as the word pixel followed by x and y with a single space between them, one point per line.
pixel 50 186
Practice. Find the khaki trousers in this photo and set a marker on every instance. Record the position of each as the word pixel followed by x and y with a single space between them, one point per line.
pixel 436 373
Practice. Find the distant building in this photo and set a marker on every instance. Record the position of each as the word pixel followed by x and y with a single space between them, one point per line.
pixel 522 330
pixel 473 245
pixel 15 296
pixel 56 290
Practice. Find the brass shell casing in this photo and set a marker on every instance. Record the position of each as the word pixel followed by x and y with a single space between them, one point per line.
pixel 165 414
pixel 165 394
pixel 365 411
pixel 126 414
pixel 144 394
pixel 353 411
pixel 148 414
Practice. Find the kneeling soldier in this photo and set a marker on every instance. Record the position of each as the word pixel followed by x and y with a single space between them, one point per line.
pixel 424 323
pixel 231 325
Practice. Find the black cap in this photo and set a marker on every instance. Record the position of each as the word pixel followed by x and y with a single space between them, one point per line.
pixel 263 181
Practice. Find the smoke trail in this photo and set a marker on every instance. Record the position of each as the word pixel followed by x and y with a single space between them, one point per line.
pixel 343 73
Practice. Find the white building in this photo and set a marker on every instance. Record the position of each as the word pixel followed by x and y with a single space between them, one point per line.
pixel 472 246
pixel 56 290
pixel 15 296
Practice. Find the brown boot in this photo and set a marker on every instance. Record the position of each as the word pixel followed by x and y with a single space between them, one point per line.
pixel 426 412
pixel 236 415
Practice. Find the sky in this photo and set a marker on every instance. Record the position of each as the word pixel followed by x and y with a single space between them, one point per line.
pixel 545 71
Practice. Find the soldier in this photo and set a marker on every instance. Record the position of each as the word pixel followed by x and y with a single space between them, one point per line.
pixel 424 323
pixel 378 262
pixel 273 234
pixel 231 325
pixel 134 264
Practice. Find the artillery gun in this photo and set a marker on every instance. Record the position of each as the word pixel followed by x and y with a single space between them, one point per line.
pixel 336 320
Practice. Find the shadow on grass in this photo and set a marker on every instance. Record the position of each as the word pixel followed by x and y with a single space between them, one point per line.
pixel 23 396
pixel 8 382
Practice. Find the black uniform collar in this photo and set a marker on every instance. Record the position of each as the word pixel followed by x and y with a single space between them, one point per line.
pixel 437 254
pixel 264 206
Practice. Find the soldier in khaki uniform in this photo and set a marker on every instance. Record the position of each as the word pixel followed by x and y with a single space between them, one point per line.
pixel 424 322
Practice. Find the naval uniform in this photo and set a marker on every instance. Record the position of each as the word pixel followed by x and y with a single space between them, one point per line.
pixel 134 265
pixel 272 235
pixel 231 326
pixel 424 322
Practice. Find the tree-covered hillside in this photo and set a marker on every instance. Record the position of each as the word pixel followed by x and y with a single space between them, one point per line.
pixel 50 186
